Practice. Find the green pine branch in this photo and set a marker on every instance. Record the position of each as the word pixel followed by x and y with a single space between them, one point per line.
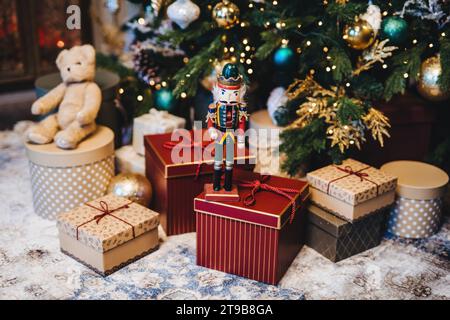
pixel 187 78
pixel 445 63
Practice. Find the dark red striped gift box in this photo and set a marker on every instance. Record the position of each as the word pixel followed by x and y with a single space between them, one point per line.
pixel 175 185
pixel 257 241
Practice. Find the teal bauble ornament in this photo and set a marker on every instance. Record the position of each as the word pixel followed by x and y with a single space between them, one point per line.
pixel 164 99
pixel 230 71
pixel 284 57
pixel 395 29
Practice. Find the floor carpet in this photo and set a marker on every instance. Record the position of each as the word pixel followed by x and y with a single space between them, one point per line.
pixel 32 267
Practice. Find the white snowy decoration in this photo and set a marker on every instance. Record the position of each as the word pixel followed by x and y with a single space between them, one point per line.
pixel 426 10
pixel 373 17
pixel 277 99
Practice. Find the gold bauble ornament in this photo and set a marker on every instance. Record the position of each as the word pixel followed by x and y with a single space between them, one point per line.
pixel 359 35
pixel 226 14
pixel 134 187
pixel 428 83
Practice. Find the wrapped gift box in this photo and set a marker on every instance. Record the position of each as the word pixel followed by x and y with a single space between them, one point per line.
pixel 108 233
pixel 337 239
pixel 418 207
pixel 175 185
pixel 257 237
pixel 64 179
pixel 128 161
pixel 351 190
pixel 154 122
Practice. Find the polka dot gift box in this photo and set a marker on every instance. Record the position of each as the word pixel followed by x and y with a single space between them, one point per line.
pixel 64 179
pixel 418 207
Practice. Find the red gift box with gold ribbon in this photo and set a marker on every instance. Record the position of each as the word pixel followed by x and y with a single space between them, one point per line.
pixel 176 182
pixel 257 237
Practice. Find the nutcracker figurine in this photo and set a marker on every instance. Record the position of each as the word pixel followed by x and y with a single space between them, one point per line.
pixel 227 115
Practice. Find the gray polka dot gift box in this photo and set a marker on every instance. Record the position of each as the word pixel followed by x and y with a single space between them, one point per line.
pixel 108 233
pixel 352 189
pixel 418 207
pixel 64 179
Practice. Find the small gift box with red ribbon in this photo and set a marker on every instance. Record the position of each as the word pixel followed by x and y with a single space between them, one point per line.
pixel 178 169
pixel 352 189
pixel 257 237
pixel 108 233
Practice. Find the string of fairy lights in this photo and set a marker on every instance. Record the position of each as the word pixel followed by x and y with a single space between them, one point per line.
pixel 244 51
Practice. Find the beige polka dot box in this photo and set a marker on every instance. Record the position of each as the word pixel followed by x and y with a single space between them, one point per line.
pixel 419 202
pixel 108 233
pixel 63 179
pixel 352 189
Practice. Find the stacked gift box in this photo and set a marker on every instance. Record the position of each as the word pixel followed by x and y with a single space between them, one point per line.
pixel 258 236
pixel 130 159
pixel 349 208
pixel 176 182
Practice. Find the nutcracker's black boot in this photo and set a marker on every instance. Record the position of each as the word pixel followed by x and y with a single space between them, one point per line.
pixel 228 179
pixel 216 179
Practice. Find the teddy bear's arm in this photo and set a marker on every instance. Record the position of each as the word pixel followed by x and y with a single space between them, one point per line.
pixel 91 106
pixel 50 101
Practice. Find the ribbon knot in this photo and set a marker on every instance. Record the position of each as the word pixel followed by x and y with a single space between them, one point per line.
pixel 350 171
pixel 104 208
pixel 261 185
pixel 363 176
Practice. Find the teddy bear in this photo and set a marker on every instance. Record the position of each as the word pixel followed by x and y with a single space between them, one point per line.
pixel 78 99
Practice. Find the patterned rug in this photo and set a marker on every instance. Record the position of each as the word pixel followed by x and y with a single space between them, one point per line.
pixel 32 267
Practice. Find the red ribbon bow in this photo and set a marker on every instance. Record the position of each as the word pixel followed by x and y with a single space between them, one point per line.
pixel 349 170
pixel 203 145
pixel 260 185
pixel 106 212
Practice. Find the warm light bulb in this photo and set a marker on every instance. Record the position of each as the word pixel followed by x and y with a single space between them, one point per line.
pixel 250 71
pixel 140 98
pixel 308 43
pixel 405 75
pixel 121 91
pixel 141 21
pixel 164 83
pixel 183 95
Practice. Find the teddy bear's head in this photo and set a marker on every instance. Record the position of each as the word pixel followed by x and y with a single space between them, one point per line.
pixel 77 64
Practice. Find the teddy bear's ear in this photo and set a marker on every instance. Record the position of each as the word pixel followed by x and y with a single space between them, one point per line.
pixel 60 58
pixel 88 52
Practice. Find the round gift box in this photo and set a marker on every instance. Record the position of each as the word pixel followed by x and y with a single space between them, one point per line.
pixel 418 207
pixel 64 179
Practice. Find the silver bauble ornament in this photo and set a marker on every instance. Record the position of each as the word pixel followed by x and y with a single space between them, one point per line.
pixel 134 187
pixel 428 83
pixel 183 12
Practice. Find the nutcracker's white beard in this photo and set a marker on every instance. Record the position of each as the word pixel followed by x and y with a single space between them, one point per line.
pixel 242 92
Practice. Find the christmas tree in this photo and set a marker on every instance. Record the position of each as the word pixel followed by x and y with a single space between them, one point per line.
pixel 324 64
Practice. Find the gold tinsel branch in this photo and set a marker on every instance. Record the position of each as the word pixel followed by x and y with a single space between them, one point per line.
pixel 376 53
pixel 377 123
